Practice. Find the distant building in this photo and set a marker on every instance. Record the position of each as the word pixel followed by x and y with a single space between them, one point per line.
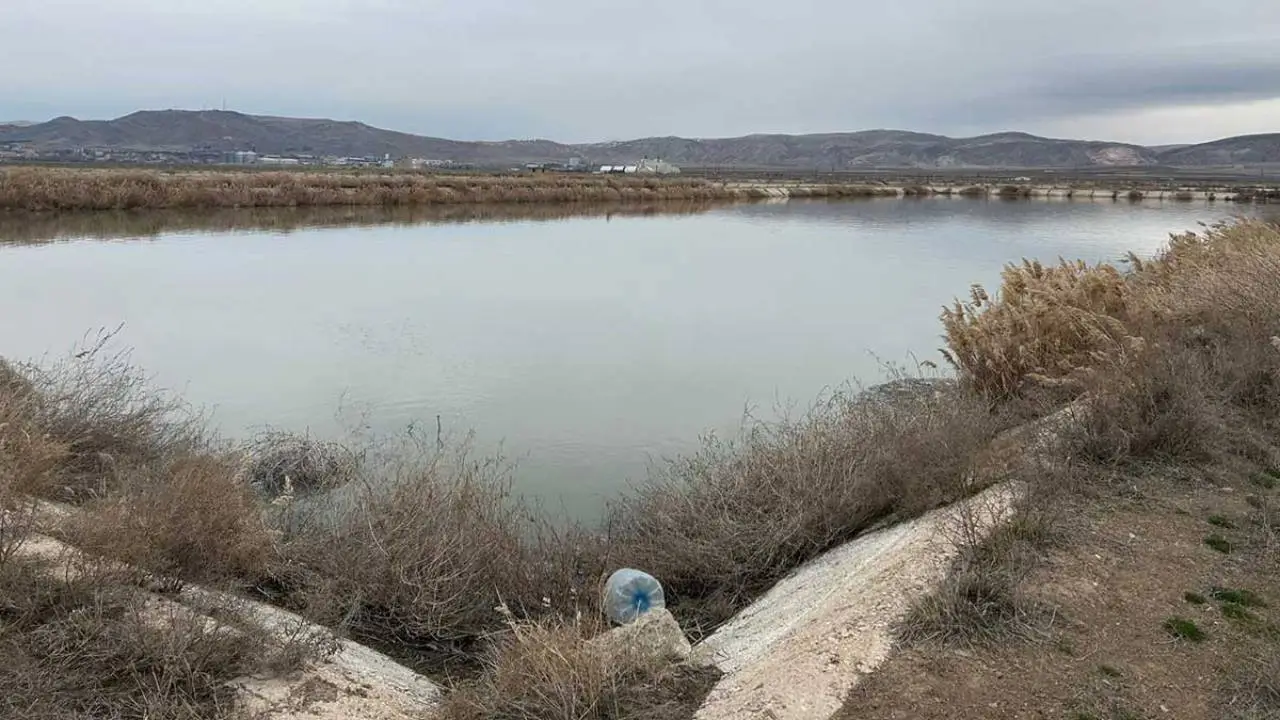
pixel 654 166
pixel 644 167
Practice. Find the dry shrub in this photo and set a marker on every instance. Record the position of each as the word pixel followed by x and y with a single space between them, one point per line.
pixel 983 597
pixel 29 458
pixel 552 671
pixel 418 554
pixel 1047 321
pixel 97 414
pixel 189 518
pixel 1154 406
pixel 278 462
pixel 88 646
pixel 720 527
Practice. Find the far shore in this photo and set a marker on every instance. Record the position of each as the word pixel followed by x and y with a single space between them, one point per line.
pixel 60 189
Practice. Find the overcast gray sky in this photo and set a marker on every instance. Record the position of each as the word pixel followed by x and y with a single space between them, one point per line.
pixel 1143 71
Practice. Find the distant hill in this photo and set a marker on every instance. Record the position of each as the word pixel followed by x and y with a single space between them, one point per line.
pixel 186 131
pixel 215 130
pixel 1242 150
pixel 882 149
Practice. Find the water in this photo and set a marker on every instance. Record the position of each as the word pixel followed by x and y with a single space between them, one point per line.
pixel 586 347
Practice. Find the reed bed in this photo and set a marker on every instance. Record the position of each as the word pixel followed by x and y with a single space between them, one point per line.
pixel 67 189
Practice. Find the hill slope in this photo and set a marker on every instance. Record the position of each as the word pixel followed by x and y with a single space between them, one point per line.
pixel 1242 150
pixel 213 130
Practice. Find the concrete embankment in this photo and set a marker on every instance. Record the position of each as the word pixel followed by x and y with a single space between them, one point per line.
pixel 797 652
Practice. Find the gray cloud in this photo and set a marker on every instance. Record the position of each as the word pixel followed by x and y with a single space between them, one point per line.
pixel 585 70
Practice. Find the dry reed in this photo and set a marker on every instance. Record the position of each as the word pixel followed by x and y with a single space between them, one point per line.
pixel 45 189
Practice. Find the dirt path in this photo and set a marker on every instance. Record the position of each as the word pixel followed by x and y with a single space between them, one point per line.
pixel 1131 563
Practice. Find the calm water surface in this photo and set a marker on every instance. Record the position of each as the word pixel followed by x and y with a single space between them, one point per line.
pixel 587 347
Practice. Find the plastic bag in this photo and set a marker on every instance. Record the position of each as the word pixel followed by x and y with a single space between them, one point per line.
pixel 629 594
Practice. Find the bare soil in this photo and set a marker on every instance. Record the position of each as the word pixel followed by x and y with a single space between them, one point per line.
pixel 1122 569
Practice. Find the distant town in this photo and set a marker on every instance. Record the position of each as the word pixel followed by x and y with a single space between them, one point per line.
pixel 16 152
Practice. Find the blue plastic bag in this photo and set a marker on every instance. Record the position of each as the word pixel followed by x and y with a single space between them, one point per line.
pixel 629 593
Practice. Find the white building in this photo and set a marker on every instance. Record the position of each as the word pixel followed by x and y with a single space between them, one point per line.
pixel 654 166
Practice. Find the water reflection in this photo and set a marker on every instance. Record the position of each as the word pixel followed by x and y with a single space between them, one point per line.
pixel 29 228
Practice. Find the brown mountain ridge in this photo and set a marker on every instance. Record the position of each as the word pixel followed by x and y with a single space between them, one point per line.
pixel 224 131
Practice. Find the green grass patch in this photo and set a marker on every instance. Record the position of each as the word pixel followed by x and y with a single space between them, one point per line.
pixel 1267 480
pixel 1184 629
pixel 1221 521
pixel 1243 598
pixel 1195 598
pixel 1219 543
pixel 1236 611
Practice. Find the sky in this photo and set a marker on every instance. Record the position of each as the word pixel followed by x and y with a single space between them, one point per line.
pixel 1172 71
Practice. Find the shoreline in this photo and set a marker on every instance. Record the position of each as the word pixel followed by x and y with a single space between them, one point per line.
pixel 47 190
pixel 800 556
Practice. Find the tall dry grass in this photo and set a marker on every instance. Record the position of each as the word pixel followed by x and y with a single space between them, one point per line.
pixel 1047 322
pixel 40 189
pixel 559 670
pixel 189 518
pixel 415 554
pixel 1050 324
pixel 62 189
pixel 82 422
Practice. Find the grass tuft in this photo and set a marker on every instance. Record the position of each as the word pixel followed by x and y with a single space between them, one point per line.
pixel 1219 543
pixel 1184 629
pixel 1221 521
pixel 1244 598
pixel 1235 611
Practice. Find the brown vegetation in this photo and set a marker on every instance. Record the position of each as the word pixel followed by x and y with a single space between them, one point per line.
pixel 720 527
pixel 1175 364
pixel 44 189
pixel 88 647
pixel 554 671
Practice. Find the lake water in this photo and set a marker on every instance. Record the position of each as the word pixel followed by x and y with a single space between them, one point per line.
pixel 586 346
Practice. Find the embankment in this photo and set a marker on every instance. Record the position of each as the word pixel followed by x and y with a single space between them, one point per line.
pixel 96 189
pixel 69 189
